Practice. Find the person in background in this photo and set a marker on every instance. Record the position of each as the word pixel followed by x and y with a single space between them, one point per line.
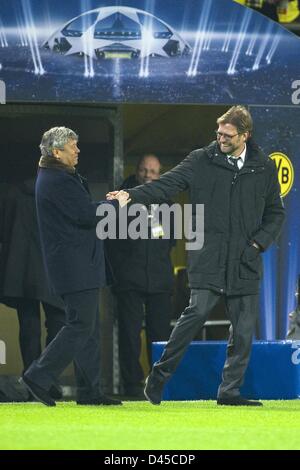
pixel 143 286
pixel 23 284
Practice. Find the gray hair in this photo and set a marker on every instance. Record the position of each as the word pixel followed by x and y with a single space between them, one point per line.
pixel 57 137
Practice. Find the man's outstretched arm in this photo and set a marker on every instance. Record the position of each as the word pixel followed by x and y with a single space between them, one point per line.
pixel 162 190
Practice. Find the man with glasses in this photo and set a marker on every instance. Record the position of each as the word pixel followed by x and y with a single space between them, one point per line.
pixel 238 186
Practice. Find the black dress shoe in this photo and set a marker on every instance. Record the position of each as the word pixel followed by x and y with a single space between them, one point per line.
pixel 40 394
pixel 238 401
pixel 55 392
pixel 153 390
pixel 103 400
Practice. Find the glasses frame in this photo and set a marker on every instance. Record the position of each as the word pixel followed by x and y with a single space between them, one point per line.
pixel 226 136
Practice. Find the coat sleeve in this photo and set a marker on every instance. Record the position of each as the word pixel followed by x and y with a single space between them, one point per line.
pixel 167 186
pixel 274 213
pixel 74 202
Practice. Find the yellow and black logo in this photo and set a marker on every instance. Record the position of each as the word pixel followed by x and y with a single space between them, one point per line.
pixel 285 172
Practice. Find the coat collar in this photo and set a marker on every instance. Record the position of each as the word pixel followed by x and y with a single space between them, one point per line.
pixel 254 156
pixel 52 163
pixel 55 164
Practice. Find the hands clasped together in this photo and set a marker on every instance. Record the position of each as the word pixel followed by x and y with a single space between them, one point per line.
pixel 121 196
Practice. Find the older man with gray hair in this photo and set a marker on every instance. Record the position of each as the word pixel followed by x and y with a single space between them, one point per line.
pixel 75 265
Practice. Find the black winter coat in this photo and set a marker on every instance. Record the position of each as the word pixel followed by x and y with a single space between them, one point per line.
pixel 143 265
pixel 74 256
pixel 239 207
pixel 22 272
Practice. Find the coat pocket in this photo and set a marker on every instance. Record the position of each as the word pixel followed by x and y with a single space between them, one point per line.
pixel 251 264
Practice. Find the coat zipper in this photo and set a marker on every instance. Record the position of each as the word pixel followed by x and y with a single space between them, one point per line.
pixel 230 226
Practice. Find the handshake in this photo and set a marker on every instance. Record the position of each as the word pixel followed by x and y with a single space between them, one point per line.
pixel 121 196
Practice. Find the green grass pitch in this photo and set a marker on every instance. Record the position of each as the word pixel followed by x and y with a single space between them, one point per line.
pixel 142 426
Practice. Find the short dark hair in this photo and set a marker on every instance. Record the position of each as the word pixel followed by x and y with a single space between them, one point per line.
pixel 239 117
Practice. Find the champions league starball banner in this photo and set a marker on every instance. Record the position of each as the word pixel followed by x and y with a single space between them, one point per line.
pixel 170 51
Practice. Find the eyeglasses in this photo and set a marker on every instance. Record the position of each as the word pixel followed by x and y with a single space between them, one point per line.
pixel 226 136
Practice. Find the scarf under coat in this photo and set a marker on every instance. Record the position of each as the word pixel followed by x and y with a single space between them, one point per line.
pixel 55 164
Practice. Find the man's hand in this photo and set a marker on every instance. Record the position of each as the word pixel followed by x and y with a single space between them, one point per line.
pixel 111 195
pixel 121 196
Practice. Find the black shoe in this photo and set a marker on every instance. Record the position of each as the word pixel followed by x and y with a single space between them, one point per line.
pixel 55 392
pixel 238 401
pixel 102 400
pixel 153 390
pixel 40 394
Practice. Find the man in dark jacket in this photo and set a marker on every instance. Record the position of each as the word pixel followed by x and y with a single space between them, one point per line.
pixel 238 186
pixel 23 282
pixel 75 266
pixel 144 282
pixel 22 274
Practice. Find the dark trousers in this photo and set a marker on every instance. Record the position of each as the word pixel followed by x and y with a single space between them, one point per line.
pixel 242 312
pixel 135 307
pixel 29 316
pixel 77 341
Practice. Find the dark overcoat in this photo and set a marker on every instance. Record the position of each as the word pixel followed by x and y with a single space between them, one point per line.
pixel 73 254
pixel 239 208
pixel 22 271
